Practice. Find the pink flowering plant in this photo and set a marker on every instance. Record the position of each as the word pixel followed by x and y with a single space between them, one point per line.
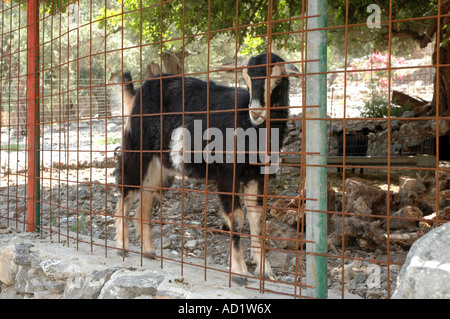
pixel 377 69
pixel 374 72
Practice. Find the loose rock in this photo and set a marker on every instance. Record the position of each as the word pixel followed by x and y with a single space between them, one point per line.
pixel 426 272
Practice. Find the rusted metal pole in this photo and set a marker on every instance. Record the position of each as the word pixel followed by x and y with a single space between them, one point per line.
pixel 33 114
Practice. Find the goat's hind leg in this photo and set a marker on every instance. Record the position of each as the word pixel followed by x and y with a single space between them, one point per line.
pixel 142 222
pixel 122 218
pixel 155 177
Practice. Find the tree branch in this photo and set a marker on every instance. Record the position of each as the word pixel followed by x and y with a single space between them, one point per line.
pixel 422 39
pixel 252 16
pixel 381 6
pixel 427 37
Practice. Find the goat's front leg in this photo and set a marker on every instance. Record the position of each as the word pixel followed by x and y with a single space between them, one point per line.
pixel 254 215
pixel 237 261
pixel 122 216
pixel 234 216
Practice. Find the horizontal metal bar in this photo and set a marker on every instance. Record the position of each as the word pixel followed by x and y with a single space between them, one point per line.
pixel 418 160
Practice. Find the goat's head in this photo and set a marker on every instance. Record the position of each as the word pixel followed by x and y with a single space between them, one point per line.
pixel 261 86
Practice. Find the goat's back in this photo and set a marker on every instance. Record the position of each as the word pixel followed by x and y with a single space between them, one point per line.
pixel 194 91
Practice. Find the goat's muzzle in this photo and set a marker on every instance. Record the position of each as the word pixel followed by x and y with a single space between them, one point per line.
pixel 257 113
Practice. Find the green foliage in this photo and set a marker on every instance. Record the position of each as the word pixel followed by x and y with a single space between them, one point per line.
pixel 362 40
pixel 378 107
pixel 445 36
pixel 81 225
pixel 12 147
pixel 357 12
pixel 111 140
pixel 166 24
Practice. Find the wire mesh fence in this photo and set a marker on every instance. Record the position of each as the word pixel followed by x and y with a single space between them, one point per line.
pixel 114 170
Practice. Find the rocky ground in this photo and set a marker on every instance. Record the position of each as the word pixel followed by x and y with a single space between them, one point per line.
pixel 362 277
pixel 81 209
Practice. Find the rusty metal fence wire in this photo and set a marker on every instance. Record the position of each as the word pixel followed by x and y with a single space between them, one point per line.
pixel 388 169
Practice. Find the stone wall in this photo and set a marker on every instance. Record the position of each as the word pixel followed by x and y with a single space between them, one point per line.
pixel 24 274
pixel 35 267
pixel 408 137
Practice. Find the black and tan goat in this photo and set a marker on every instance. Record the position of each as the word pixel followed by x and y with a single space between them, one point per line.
pixel 155 149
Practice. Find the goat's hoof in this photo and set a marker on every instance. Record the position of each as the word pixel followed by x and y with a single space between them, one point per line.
pixel 150 255
pixel 270 276
pixel 122 253
pixel 267 275
pixel 241 281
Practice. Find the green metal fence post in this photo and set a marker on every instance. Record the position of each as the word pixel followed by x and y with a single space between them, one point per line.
pixel 316 142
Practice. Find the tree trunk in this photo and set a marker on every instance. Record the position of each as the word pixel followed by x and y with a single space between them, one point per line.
pixel 444 87
pixel 444 77
pixel 444 73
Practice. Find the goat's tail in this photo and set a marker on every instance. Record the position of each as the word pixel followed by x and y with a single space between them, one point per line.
pixel 129 91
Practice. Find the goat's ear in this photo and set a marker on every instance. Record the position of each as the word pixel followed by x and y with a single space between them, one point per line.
pixel 247 79
pixel 291 69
